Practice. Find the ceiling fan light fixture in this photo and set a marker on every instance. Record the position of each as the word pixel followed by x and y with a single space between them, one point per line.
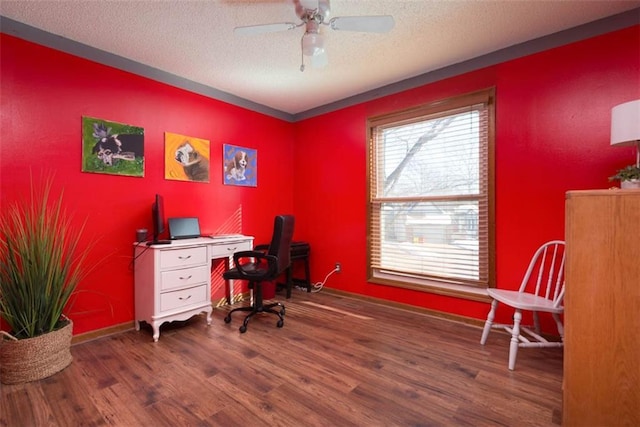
pixel 312 44
pixel 314 14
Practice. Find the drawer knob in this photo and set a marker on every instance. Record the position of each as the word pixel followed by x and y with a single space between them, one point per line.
pixel 184 299
pixel 185 257
pixel 186 278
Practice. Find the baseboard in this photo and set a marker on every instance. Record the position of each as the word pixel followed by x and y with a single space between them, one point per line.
pixel 116 329
pixel 123 327
pixel 407 307
pixel 100 333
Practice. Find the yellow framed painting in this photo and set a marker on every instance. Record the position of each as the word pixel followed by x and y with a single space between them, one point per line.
pixel 186 158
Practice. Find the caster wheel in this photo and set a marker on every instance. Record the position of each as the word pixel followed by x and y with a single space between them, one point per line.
pixel 243 329
pixel 227 319
pixel 280 323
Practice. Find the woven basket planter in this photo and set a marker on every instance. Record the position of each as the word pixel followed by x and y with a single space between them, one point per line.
pixel 35 358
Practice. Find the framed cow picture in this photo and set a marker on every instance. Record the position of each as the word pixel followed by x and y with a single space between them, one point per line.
pixel 112 148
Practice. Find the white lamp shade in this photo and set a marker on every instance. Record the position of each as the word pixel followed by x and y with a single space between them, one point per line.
pixel 625 123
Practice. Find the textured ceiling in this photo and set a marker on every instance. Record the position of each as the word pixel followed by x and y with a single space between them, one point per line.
pixel 195 40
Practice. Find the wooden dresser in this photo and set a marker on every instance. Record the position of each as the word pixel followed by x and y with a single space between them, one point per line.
pixel 602 309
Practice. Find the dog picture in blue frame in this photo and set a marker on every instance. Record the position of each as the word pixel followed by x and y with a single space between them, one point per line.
pixel 240 166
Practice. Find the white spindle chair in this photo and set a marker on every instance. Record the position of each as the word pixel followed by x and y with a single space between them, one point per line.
pixel 541 290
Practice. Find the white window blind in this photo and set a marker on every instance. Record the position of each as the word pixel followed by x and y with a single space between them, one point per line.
pixel 430 192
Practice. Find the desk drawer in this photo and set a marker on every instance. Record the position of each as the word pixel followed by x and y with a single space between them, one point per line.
pixel 228 249
pixel 183 278
pixel 183 298
pixel 176 258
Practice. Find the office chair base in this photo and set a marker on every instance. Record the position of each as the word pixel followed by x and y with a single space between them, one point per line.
pixel 267 308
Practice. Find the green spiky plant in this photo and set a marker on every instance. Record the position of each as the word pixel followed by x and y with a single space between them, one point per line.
pixel 626 174
pixel 40 265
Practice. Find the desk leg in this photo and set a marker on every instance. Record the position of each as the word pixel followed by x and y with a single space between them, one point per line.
pixel 208 310
pixel 307 273
pixel 230 290
pixel 156 330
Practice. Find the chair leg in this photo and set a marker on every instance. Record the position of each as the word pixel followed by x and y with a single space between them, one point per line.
pixel 489 322
pixel 280 313
pixel 559 324
pixel 513 348
pixel 536 322
pixel 257 306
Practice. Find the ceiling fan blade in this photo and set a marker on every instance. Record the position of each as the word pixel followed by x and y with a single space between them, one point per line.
pixel 264 28
pixel 309 4
pixel 368 24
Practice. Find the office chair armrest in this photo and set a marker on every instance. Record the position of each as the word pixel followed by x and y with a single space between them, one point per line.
pixel 263 247
pixel 255 268
pixel 243 255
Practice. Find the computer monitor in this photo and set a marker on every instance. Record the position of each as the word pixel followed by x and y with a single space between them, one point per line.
pixel 157 216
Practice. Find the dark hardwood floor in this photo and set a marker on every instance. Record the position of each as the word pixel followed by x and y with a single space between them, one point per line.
pixel 337 362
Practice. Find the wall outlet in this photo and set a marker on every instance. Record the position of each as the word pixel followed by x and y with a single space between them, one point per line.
pixel 338 267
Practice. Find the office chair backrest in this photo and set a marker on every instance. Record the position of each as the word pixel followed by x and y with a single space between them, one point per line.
pixel 280 246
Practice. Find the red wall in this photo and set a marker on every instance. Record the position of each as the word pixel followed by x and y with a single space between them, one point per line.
pixel 44 95
pixel 552 135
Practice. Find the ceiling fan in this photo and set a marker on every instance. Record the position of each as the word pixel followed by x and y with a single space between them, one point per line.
pixel 313 14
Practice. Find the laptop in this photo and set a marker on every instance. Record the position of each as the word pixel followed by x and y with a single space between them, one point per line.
pixel 183 228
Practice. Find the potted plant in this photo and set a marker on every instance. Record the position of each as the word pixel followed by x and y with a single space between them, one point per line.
pixel 629 177
pixel 40 268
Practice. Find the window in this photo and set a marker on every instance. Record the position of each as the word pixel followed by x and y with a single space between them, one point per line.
pixel 430 195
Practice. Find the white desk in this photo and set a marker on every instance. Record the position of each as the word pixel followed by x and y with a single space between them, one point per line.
pixel 173 282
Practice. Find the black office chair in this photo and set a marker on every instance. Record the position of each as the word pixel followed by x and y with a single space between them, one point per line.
pixel 258 266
